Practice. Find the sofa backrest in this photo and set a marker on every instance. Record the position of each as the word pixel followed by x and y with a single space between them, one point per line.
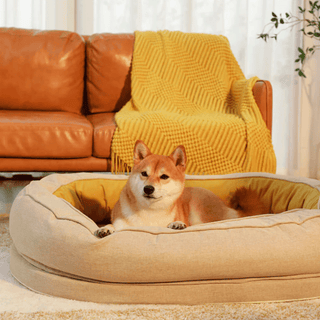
pixel 41 70
pixel 108 71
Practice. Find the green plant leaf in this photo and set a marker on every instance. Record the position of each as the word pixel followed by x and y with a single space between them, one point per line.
pixel 301 74
pixel 313 21
pixel 263 36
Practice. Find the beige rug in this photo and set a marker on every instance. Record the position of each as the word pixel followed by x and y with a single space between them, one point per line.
pixel 17 302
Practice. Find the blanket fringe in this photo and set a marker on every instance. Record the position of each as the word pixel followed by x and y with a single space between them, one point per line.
pixel 118 166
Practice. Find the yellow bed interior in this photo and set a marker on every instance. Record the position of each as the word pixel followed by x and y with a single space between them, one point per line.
pixel 99 196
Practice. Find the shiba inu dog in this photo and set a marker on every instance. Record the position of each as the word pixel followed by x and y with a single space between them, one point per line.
pixel 155 195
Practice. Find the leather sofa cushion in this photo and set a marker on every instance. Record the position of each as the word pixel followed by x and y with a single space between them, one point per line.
pixel 108 71
pixel 39 134
pixel 103 129
pixel 41 70
pixel 55 165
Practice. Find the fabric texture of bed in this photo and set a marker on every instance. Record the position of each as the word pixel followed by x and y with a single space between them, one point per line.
pixel 260 258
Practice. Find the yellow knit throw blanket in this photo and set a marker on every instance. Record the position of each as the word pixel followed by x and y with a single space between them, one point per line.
pixel 189 89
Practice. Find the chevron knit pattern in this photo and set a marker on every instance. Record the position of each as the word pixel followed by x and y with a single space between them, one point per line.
pixel 189 89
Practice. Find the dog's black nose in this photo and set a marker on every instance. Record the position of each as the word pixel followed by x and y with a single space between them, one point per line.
pixel 148 189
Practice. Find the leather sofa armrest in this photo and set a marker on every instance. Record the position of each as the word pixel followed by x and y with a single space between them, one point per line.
pixel 262 92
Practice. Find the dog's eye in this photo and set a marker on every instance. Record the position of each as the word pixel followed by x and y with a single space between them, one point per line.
pixel 164 177
pixel 144 174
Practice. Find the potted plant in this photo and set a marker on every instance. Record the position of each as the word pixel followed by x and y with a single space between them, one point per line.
pixel 311 29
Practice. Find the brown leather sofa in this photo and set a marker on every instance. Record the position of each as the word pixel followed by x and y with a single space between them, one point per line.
pixel 59 92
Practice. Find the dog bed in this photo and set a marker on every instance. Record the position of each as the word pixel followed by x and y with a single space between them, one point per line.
pixel 259 258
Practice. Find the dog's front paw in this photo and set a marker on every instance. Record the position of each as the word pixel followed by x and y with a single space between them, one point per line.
pixel 178 225
pixel 105 231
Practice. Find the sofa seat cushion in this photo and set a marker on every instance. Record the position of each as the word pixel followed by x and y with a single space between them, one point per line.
pixel 88 164
pixel 38 134
pixel 103 129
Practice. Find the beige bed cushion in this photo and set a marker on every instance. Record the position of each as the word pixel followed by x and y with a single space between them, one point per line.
pixel 185 292
pixel 54 236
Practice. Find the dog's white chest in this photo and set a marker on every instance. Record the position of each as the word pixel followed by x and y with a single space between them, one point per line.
pixel 150 218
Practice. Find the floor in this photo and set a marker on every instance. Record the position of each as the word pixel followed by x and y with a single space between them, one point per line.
pixel 11 185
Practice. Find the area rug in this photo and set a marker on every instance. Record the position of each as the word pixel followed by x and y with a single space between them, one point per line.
pixel 18 302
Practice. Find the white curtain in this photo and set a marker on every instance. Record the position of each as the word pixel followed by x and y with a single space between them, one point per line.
pixel 38 14
pixel 22 14
pixel 295 126
pixel 309 129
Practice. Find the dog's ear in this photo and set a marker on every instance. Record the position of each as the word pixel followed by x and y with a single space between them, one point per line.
pixel 140 151
pixel 179 157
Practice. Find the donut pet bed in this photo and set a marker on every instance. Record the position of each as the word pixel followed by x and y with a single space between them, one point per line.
pixel 259 258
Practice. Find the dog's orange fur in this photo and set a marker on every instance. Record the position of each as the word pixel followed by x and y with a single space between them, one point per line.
pixel 247 202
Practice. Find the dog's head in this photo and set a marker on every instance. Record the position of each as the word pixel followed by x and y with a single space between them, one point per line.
pixel 157 181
